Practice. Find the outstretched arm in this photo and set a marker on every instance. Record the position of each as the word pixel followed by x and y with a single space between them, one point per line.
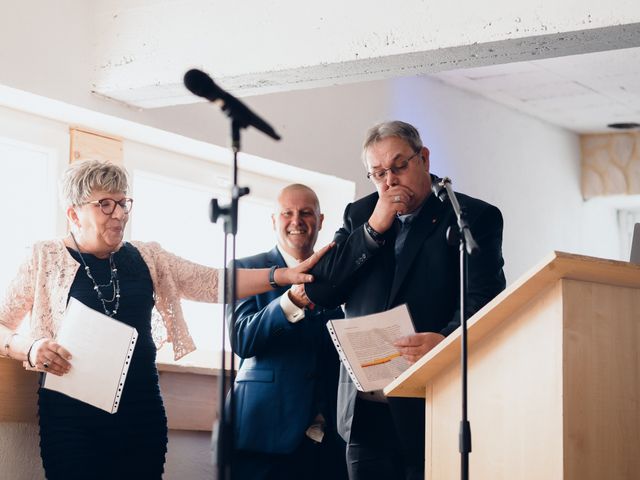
pixel 255 281
pixel 204 284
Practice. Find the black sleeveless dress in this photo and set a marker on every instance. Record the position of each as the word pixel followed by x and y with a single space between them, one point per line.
pixel 79 441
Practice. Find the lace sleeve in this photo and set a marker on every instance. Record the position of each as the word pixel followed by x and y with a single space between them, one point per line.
pixel 175 278
pixel 194 281
pixel 18 299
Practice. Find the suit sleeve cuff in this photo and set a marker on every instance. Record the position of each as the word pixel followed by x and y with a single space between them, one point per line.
pixel 370 242
pixel 292 312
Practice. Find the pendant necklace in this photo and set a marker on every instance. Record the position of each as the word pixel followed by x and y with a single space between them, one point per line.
pixel 114 282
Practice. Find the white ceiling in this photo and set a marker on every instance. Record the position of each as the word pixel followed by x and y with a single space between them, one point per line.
pixel 582 93
pixel 141 49
pixel 127 57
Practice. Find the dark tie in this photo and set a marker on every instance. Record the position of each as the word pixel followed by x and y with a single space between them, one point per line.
pixel 402 225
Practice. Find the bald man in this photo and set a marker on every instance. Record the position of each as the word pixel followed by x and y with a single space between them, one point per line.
pixel 287 382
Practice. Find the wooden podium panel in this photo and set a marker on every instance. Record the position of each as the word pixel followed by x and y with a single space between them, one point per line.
pixel 508 392
pixel 601 381
pixel 18 392
pixel 554 379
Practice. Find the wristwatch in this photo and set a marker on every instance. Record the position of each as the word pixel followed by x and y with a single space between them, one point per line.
pixel 272 276
pixel 375 236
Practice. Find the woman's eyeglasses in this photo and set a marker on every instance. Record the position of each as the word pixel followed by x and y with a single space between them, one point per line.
pixel 108 205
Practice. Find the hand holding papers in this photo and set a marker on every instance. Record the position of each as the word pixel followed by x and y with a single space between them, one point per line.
pixel 365 346
pixel 102 348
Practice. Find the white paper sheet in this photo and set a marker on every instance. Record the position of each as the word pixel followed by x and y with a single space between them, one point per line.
pixel 101 350
pixel 365 346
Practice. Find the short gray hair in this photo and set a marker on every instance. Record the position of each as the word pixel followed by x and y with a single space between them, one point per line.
pixel 395 128
pixel 84 177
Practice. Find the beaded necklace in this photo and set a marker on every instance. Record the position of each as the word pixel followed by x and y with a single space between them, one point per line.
pixel 114 282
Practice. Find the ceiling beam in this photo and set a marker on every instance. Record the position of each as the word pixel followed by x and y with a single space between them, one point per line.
pixel 263 46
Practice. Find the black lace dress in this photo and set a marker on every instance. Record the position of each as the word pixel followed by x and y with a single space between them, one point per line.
pixel 80 441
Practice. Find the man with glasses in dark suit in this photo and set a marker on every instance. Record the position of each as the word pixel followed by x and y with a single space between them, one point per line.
pixel 390 251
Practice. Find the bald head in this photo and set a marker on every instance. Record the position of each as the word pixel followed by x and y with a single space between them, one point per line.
pixel 299 188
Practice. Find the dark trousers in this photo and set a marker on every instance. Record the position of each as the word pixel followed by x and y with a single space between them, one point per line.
pixel 310 461
pixel 375 450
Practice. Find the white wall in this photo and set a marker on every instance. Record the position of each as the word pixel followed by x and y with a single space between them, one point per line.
pixel 528 168
pixel 321 129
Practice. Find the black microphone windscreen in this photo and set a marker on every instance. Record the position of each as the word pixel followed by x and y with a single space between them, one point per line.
pixel 201 84
pixel 437 187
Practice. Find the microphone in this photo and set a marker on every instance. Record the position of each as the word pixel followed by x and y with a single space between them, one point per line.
pixel 442 189
pixel 201 84
pixel 438 187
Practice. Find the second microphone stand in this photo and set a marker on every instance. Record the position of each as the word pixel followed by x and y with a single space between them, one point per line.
pixel 468 247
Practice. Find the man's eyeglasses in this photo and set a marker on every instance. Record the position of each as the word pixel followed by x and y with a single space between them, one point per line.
pixel 378 176
pixel 108 205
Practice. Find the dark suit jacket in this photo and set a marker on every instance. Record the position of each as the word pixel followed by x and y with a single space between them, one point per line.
pixel 288 370
pixel 426 278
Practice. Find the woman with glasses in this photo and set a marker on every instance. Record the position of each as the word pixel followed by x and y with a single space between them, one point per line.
pixel 125 281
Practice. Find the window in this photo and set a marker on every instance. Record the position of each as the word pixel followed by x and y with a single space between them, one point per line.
pixel 175 214
pixel 28 199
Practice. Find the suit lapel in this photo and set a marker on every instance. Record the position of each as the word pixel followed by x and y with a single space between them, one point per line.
pixel 274 258
pixel 422 226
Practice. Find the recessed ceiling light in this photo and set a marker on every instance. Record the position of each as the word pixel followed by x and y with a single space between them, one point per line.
pixel 624 125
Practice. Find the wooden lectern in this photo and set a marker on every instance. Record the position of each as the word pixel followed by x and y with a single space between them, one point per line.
pixel 18 393
pixel 554 379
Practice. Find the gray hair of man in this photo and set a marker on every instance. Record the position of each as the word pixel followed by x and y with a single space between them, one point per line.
pixel 82 178
pixel 395 128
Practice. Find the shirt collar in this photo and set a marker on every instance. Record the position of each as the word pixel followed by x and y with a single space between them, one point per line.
pixel 409 217
pixel 288 259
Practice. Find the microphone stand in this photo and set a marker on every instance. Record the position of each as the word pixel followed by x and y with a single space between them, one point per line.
pixel 229 214
pixel 201 84
pixel 468 247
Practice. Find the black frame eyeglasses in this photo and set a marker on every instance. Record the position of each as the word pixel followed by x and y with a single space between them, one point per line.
pixel 378 176
pixel 108 205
